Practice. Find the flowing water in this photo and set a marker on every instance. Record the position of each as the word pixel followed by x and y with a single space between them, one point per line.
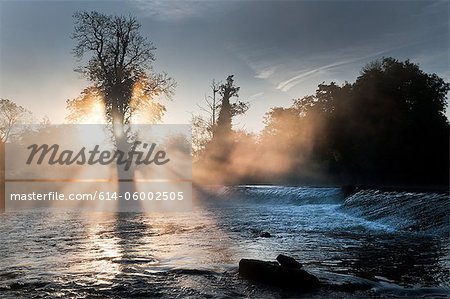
pixel 374 243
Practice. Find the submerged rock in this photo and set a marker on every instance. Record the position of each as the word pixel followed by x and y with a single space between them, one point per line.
pixel 288 262
pixel 265 235
pixel 275 274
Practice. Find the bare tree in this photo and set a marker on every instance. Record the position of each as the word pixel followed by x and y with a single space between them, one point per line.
pixel 119 64
pixel 203 124
pixel 117 59
pixel 10 114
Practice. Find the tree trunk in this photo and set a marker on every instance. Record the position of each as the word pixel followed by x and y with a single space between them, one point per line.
pixel 221 144
pixel 125 178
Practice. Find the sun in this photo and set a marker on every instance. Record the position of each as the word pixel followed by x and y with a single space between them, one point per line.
pixel 88 108
pixel 96 114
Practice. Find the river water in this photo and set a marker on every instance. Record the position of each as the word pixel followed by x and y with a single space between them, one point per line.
pixel 69 254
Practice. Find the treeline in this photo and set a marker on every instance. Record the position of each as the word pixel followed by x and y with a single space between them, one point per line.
pixel 387 128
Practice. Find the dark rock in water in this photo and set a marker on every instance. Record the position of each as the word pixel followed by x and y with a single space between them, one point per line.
pixel 265 235
pixel 288 262
pixel 274 274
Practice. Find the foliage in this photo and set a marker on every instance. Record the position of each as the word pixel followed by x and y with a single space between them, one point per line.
pixel 218 114
pixel 119 66
pixel 389 127
pixel 11 114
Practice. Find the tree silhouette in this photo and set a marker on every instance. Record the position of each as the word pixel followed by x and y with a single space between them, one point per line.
pixel 10 114
pixel 400 134
pixel 218 115
pixel 387 128
pixel 203 124
pixel 214 139
pixel 224 120
pixel 119 65
pixel 117 60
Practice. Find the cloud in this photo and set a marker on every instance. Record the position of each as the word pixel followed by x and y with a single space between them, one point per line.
pixel 288 84
pixel 255 96
pixel 266 73
pixel 175 10
pixel 293 81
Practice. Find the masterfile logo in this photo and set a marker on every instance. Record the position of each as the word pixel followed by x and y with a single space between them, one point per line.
pixel 53 155
pixel 89 167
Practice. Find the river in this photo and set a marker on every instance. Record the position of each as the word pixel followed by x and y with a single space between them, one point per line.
pixel 69 254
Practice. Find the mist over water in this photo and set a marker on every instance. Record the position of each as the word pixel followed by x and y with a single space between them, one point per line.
pixel 195 254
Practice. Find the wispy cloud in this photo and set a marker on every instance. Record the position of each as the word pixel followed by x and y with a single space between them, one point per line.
pixel 255 96
pixel 291 82
pixel 286 85
pixel 175 9
pixel 266 73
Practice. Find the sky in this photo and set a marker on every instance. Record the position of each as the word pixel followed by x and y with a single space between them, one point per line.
pixel 277 50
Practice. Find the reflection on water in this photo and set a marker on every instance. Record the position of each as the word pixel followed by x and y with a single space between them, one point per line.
pixel 195 254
